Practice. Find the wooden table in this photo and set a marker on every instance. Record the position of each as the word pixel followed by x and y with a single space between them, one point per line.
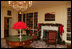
pixel 68 45
pixel 15 41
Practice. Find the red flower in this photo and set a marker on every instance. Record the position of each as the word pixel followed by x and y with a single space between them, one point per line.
pixel 19 25
pixel 30 33
pixel 34 37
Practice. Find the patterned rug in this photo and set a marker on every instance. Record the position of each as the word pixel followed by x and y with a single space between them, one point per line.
pixel 42 44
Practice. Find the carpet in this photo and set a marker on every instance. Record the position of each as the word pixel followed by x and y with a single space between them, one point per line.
pixel 42 44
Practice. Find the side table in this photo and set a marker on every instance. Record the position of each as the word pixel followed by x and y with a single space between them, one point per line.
pixel 68 45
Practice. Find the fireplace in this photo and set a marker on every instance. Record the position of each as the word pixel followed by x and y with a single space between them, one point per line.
pixel 45 30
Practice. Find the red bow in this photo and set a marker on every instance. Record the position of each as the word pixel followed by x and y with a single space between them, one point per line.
pixel 61 29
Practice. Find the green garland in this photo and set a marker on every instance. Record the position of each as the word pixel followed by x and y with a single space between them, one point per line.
pixel 59 40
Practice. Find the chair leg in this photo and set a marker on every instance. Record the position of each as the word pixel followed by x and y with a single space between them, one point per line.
pixel 48 44
pixel 55 45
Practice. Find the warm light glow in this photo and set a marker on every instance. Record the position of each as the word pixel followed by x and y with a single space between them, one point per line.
pixel 19 5
pixel 24 1
pixel 9 2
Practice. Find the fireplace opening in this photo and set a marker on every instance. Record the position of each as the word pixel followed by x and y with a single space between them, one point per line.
pixel 45 33
pixel 49 36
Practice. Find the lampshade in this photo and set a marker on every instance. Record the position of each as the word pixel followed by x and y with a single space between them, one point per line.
pixel 19 25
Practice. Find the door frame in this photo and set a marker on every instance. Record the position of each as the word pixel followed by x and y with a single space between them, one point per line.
pixel 4 25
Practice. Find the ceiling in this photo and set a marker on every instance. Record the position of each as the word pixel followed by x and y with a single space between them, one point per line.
pixel 48 2
pixel 39 3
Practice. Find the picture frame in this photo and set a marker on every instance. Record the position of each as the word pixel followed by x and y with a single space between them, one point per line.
pixel 49 17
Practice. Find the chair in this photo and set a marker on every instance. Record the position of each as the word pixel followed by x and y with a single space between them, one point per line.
pixel 3 43
pixel 51 38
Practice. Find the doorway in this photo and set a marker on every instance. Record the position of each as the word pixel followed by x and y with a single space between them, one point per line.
pixel 6 26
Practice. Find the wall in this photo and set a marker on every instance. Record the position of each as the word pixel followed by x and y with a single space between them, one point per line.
pixel 60 15
pixel 13 20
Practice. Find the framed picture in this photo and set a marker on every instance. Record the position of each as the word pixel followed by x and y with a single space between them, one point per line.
pixel 9 13
pixel 49 17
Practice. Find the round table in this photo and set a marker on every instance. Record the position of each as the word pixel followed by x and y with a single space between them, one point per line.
pixel 14 41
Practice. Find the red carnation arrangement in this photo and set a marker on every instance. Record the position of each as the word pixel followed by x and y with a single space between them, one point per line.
pixel 19 26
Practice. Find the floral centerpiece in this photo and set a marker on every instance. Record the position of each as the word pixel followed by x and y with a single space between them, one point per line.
pixel 19 26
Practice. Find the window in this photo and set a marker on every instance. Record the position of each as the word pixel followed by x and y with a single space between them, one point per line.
pixel 31 19
pixel 69 20
pixel 69 24
pixel 69 37
pixel 19 17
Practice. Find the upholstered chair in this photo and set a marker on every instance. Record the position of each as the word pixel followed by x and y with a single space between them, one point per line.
pixel 3 43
